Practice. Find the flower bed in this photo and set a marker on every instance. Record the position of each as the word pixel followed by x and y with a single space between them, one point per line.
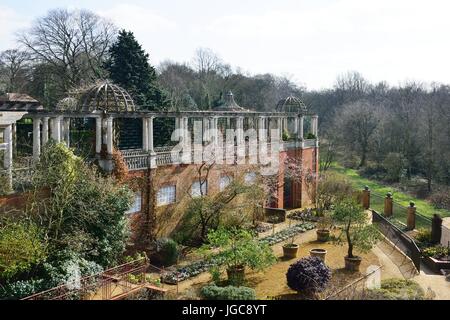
pixel 303 215
pixel 288 233
pixel 195 268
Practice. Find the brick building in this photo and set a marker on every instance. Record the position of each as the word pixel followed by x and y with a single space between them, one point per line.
pixel 163 149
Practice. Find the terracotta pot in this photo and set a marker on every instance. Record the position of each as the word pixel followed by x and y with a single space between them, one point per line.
pixel 236 275
pixel 323 235
pixel 352 264
pixel 319 253
pixel 290 250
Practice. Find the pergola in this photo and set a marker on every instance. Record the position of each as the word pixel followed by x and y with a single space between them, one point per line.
pixel 106 103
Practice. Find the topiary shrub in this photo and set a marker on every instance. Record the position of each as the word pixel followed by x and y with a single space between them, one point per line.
pixel 214 292
pixel 167 250
pixel 308 275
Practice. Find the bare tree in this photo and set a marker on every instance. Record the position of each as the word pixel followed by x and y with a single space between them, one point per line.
pixel 14 69
pixel 207 61
pixel 74 43
pixel 357 122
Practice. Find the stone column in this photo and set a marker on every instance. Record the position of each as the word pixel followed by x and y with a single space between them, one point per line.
pixel 36 138
pixel 239 130
pixel 109 136
pixel 388 205
pixel 67 131
pixel 145 134
pixel 44 130
pixel 411 218
pixel 278 126
pixel 8 156
pixel 150 141
pixel 315 125
pixel 436 229
pixel 366 198
pixel 300 128
pixel 262 134
pixel 186 156
pixel 240 137
pixel 56 129
pixel 285 124
pixel 98 136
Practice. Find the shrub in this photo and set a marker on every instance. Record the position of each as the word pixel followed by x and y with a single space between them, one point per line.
pixel 436 252
pixel 214 292
pixel 21 247
pixel 287 136
pixel 168 251
pixel 423 236
pixel 4 183
pixel 310 136
pixel 397 289
pixel 308 275
pixel 441 199
pixel 20 289
pixel 84 212
pixel 239 249
pixel 67 266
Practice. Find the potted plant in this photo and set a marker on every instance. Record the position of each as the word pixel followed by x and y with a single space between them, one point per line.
pixel 236 249
pixel 319 253
pixel 323 227
pixel 290 249
pixel 356 229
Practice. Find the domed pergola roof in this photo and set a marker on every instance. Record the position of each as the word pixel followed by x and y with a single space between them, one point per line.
pixel 291 104
pixel 229 104
pixel 106 96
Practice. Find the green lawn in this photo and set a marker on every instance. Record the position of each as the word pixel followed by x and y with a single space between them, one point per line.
pixel 358 182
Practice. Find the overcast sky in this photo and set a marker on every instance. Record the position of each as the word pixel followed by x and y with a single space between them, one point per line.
pixel 311 41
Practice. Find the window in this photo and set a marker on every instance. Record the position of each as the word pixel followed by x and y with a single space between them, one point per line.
pixel 136 205
pixel 195 189
pixel 224 182
pixel 250 177
pixel 166 195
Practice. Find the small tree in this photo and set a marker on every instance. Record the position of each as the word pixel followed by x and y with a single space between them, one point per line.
pixel 331 189
pixel 238 249
pixel 355 227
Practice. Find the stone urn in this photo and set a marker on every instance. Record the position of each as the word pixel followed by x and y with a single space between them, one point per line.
pixel 352 264
pixel 319 253
pixel 290 250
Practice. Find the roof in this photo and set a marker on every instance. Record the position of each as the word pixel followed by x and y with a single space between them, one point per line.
pixel 229 104
pixel 291 104
pixel 19 102
pixel 105 96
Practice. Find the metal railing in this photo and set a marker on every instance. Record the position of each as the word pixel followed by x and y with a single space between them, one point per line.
pixel 102 286
pixel 398 238
pixel 356 290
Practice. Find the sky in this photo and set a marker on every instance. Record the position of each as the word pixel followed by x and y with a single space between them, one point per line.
pixel 312 42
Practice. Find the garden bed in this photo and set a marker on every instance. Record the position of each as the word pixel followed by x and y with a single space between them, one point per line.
pixel 198 267
pixel 436 265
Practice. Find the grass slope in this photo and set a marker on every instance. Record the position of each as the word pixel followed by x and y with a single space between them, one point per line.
pixel 358 182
